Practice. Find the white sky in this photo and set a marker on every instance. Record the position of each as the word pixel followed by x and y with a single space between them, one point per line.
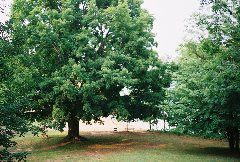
pixel 5 5
pixel 169 25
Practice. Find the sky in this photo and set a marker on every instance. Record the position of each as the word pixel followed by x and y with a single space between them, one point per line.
pixel 5 5
pixel 169 25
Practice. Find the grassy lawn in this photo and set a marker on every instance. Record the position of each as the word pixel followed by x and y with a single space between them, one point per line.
pixel 125 146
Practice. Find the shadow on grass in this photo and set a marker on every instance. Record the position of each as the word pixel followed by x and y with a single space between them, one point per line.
pixel 56 143
pixel 107 143
pixel 214 151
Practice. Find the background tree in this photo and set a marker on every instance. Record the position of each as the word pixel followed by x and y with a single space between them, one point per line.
pixel 81 54
pixel 206 96
pixel 12 121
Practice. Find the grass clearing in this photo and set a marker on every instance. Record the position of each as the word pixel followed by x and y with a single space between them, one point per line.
pixel 125 146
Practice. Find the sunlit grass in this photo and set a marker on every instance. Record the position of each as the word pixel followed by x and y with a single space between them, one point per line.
pixel 122 146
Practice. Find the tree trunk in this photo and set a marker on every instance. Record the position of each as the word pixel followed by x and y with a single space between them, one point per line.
pixel 233 138
pixel 236 139
pixel 231 143
pixel 73 127
pixel 150 126
pixel 164 125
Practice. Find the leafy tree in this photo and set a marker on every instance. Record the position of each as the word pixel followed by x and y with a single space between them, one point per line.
pixel 78 56
pixel 12 121
pixel 206 94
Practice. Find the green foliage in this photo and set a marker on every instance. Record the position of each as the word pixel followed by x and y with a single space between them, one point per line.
pixel 12 120
pixel 206 93
pixel 77 56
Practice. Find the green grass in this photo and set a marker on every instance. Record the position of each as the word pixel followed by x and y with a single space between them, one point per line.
pixel 123 146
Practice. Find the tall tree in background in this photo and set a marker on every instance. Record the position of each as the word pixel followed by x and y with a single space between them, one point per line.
pixel 12 120
pixel 206 97
pixel 80 55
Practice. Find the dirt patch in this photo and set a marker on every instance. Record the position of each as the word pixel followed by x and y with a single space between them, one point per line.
pixel 95 154
pixel 202 142
pixel 55 146
pixel 102 133
pixel 153 145
pixel 112 146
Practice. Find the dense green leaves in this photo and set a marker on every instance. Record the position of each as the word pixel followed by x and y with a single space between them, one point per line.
pixel 12 119
pixel 205 97
pixel 78 56
pixel 62 61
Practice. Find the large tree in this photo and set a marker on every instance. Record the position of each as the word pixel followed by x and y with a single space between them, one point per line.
pixel 206 94
pixel 81 55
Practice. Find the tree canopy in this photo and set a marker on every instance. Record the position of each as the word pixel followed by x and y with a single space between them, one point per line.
pixel 12 119
pixel 75 58
pixel 205 100
pixel 68 60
